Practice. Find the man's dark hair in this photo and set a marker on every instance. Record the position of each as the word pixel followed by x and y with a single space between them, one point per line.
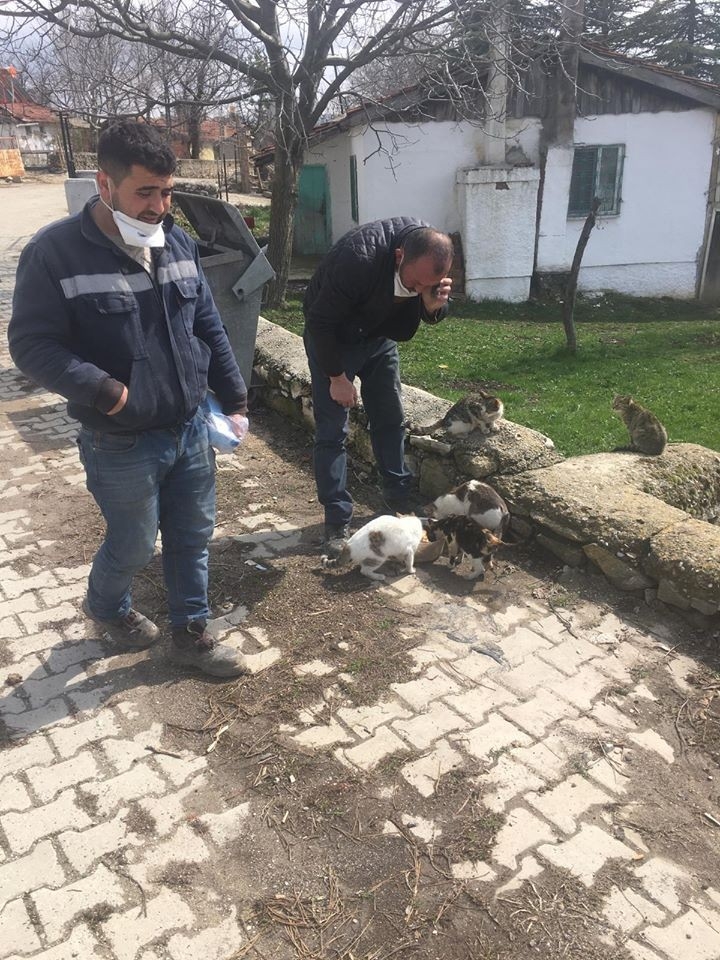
pixel 427 242
pixel 127 142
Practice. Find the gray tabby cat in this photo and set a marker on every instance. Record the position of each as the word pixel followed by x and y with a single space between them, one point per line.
pixel 647 434
pixel 478 410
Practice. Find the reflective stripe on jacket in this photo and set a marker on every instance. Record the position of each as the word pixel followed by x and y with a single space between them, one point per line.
pixel 84 312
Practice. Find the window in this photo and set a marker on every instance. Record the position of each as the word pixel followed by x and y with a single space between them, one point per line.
pixel 353 189
pixel 596 172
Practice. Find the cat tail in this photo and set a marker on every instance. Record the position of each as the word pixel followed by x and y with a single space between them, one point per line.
pixel 423 431
pixel 506 531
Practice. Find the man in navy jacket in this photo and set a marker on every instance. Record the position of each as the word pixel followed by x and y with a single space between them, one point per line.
pixel 112 311
pixel 373 288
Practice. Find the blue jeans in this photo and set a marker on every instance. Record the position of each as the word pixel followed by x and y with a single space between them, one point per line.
pixel 144 482
pixel 377 364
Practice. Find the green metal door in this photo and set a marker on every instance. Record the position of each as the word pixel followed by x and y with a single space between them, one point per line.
pixel 312 218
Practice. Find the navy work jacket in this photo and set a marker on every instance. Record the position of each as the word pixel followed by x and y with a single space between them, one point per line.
pixel 86 316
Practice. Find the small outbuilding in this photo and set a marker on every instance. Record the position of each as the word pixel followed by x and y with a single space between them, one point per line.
pixel 642 138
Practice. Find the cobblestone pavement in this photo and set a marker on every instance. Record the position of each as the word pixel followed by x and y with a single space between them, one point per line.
pixel 510 685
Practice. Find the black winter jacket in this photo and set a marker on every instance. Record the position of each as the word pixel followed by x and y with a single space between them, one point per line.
pixel 87 318
pixel 351 295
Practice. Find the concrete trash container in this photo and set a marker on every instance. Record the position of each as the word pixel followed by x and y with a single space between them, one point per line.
pixel 235 267
pixel 79 189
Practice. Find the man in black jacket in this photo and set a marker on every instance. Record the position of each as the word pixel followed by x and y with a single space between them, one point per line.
pixel 372 289
pixel 112 311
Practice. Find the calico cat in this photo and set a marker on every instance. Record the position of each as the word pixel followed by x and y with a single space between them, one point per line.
pixel 384 538
pixel 478 501
pixel 647 434
pixel 464 537
pixel 475 411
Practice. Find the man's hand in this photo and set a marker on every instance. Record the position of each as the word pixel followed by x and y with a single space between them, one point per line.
pixel 436 297
pixel 239 424
pixel 342 391
pixel 120 404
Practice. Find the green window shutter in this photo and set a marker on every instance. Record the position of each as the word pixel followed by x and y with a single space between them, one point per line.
pixel 353 188
pixel 582 181
pixel 608 179
pixel 596 172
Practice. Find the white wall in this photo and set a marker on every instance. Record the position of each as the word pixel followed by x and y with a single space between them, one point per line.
pixel 499 210
pixel 36 136
pixel 417 179
pixel 335 155
pixel 651 247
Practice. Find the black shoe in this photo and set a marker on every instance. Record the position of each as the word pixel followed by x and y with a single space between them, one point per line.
pixel 134 631
pixel 192 646
pixel 336 535
pixel 336 531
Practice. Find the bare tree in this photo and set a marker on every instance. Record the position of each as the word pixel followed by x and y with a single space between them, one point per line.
pixel 571 286
pixel 300 56
pixel 299 52
pixel 93 81
pixel 110 76
pixel 189 88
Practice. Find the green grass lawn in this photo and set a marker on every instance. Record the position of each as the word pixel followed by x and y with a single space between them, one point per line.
pixel 665 353
pixel 260 213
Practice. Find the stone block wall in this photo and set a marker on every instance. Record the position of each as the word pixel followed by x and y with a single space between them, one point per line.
pixel 649 524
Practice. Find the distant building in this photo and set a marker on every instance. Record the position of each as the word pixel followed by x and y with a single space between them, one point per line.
pixel 32 128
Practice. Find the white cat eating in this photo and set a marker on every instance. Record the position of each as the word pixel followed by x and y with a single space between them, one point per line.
pixel 382 539
pixel 478 501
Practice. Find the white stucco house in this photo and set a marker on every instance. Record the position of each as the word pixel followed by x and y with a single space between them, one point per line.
pixel 645 140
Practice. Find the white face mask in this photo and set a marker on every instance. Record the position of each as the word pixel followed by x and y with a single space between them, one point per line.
pixel 137 233
pixel 400 289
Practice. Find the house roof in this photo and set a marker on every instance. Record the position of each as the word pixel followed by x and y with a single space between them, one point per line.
pixel 15 103
pixel 28 112
pixel 371 110
pixel 222 128
pixel 702 91
pixel 591 54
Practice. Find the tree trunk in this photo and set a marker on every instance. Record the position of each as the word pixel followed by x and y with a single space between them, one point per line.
pixel 692 16
pixel 571 289
pixel 193 131
pixel 560 124
pixel 288 160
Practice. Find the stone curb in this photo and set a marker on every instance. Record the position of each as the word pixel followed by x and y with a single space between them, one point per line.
pixel 645 531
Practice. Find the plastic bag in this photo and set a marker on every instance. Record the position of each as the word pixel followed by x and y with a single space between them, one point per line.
pixel 220 432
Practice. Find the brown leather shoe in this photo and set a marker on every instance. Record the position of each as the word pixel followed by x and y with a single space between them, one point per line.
pixel 192 646
pixel 134 631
